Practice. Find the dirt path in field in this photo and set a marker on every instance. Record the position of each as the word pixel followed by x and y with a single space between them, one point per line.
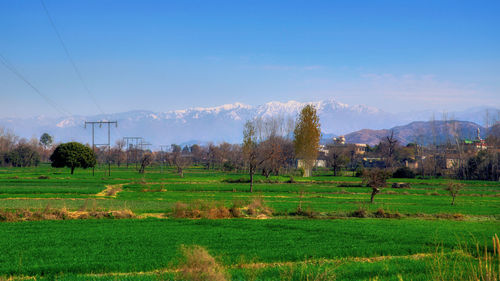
pixel 332 261
pixel 336 262
pixel 111 190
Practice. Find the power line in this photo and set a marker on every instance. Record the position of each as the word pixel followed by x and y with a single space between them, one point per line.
pixel 77 71
pixel 12 69
pixel 130 144
pixel 108 144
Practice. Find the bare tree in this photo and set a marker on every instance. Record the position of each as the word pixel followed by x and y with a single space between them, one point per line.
pixel 273 154
pixel 250 149
pixel 214 156
pixel 181 161
pixel 146 160
pixel 454 188
pixel 197 153
pixel 388 146
pixel 376 179
pixel 117 154
pixel 337 157
pixel 7 140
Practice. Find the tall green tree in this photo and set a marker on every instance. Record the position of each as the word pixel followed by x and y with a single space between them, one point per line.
pixel 73 155
pixel 46 140
pixel 307 134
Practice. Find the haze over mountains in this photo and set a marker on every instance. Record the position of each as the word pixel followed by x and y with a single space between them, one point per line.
pixel 225 122
pixel 421 132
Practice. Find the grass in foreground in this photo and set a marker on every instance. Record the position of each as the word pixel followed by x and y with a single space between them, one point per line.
pixel 99 246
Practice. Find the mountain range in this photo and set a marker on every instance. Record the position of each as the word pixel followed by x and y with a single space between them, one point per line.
pixel 421 132
pixel 225 122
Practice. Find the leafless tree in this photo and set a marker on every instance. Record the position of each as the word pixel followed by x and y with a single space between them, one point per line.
pixel 198 153
pixel 181 161
pixel 272 155
pixel 376 179
pixel 337 157
pixel 388 146
pixel 117 154
pixel 454 188
pixel 146 160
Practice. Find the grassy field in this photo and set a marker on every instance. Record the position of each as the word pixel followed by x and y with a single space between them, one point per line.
pixel 329 241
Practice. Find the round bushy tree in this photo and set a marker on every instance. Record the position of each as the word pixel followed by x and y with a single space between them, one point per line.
pixel 73 155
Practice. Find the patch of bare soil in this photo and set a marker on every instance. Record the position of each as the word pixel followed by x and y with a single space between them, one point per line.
pixel 111 190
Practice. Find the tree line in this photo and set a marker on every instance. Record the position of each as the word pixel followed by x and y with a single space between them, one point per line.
pixel 20 152
pixel 274 145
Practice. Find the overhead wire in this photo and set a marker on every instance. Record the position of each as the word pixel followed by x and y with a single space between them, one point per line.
pixel 12 69
pixel 70 58
pixel 72 61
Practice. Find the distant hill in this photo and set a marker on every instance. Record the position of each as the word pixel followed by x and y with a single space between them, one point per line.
pixel 425 132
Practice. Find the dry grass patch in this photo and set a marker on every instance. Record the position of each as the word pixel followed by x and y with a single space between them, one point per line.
pixel 199 265
pixel 456 216
pixel 61 214
pixel 216 210
pixel 257 207
pixel 381 213
pixel 111 190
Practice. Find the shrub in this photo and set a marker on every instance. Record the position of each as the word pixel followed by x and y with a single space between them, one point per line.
pixel 404 173
pixel 308 212
pixel 381 213
pixel 240 180
pixel 235 209
pixel 346 184
pixel 218 212
pixel 180 210
pixel 201 209
pixel 401 185
pixel 359 172
pixel 122 214
pixel 361 212
pixel 257 207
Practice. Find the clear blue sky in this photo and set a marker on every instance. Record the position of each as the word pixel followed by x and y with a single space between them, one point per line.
pixel 165 55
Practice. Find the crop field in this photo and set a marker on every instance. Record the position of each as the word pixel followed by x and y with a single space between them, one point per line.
pixel 57 226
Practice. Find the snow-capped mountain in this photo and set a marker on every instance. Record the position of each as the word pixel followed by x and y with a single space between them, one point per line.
pixel 211 124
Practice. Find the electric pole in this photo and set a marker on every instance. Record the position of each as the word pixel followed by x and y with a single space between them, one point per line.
pixel 132 142
pixel 108 144
pixel 163 156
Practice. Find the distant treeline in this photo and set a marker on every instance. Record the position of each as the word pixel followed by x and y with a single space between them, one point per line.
pixel 272 151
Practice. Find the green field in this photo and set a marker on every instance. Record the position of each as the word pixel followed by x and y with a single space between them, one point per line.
pixel 330 240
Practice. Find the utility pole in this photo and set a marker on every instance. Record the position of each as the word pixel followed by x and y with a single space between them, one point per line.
pixel 108 144
pixel 163 156
pixel 134 143
pixel 144 144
